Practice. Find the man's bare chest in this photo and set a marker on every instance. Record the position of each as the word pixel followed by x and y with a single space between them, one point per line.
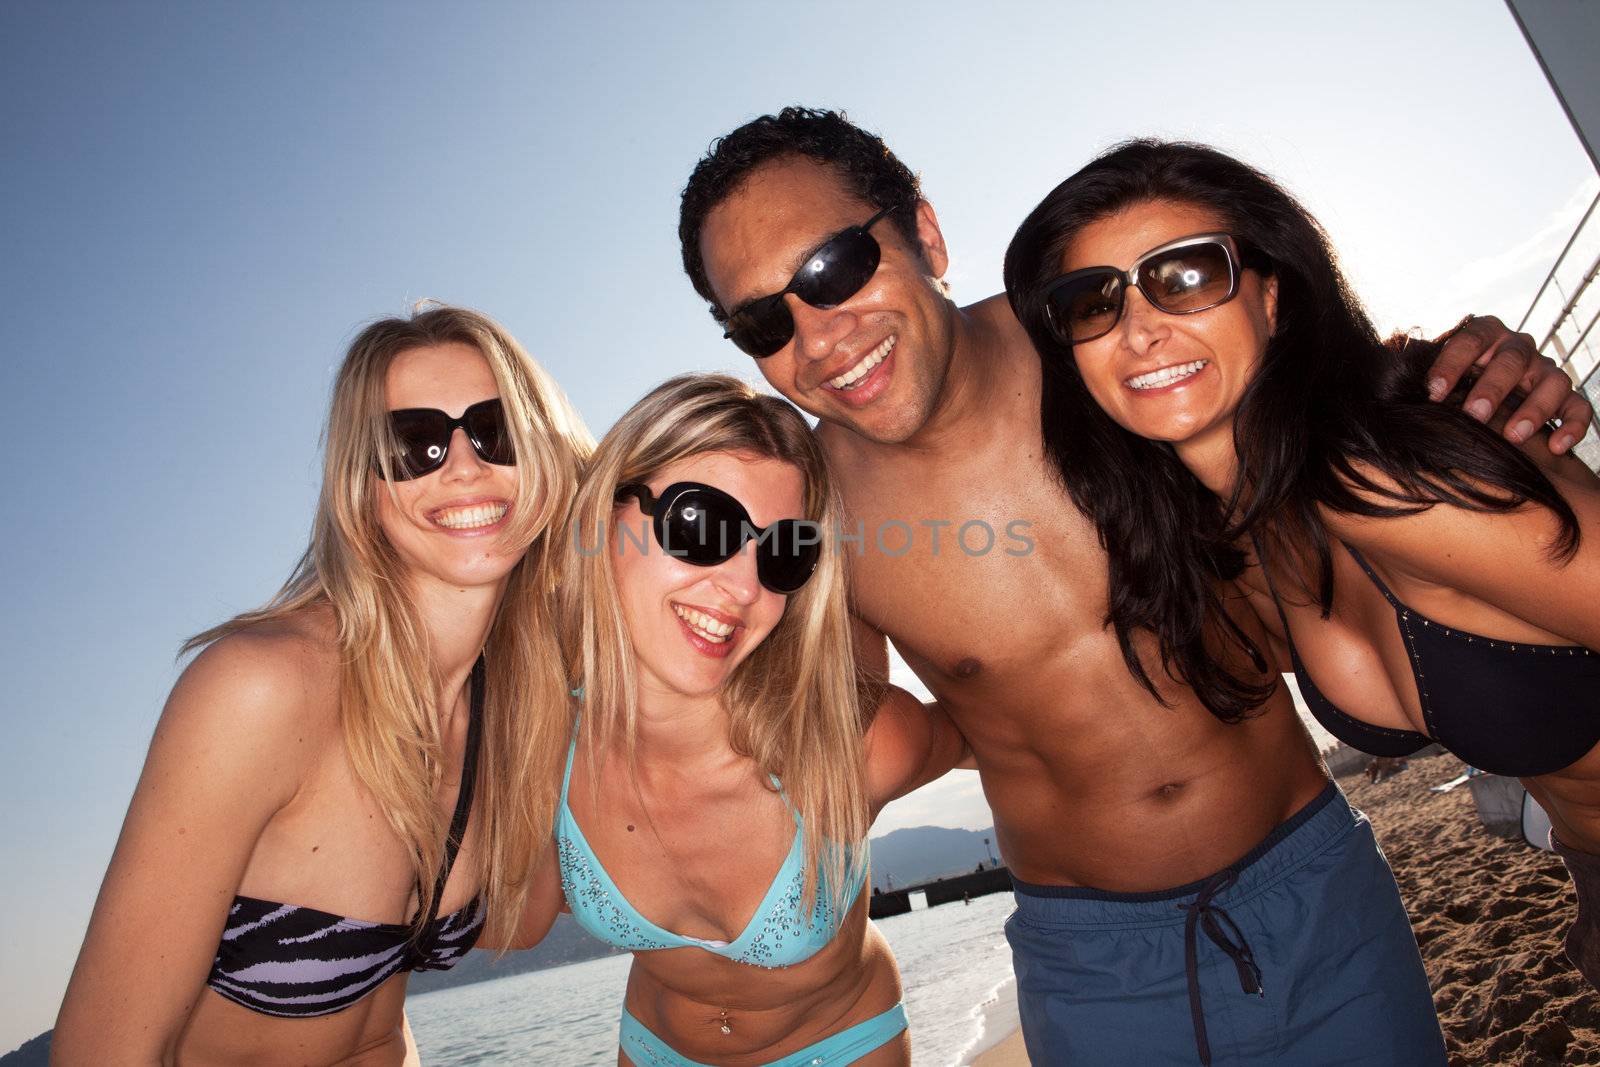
pixel 976 578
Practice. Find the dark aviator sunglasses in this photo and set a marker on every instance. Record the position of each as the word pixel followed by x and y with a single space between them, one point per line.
pixel 831 275
pixel 702 525
pixel 422 438
pixel 1181 277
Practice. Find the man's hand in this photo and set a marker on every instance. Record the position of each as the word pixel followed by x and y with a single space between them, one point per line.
pixel 1511 362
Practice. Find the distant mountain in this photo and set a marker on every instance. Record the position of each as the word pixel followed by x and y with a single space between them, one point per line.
pixel 923 853
pixel 34 1053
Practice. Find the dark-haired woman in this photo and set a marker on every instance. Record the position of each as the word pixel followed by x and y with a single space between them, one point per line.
pixel 1219 403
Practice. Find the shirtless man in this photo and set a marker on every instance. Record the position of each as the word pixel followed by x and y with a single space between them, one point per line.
pixel 1184 886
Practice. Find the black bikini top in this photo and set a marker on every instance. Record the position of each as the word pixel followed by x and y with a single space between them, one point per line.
pixel 289 961
pixel 1504 707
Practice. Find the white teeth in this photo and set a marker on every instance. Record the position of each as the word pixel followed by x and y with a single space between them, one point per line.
pixel 471 518
pixel 1166 375
pixel 704 625
pixel 850 377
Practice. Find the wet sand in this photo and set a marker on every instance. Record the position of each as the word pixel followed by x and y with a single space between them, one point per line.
pixel 1008 1053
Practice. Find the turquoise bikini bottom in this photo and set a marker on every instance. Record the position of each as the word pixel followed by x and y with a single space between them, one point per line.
pixel 647 1050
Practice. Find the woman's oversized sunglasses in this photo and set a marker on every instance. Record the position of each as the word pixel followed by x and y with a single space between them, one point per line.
pixel 422 438
pixel 702 525
pixel 833 274
pixel 1181 277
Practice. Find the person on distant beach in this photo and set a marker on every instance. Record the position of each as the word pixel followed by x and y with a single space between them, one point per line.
pixel 1217 401
pixel 720 783
pixel 353 781
pixel 1380 768
pixel 819 257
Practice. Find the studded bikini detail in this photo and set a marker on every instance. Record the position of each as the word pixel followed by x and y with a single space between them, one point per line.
pixel 777 935
pixel 1507 707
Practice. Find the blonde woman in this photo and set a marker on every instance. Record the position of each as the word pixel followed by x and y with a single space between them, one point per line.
pixel 352 782
pixel 720 782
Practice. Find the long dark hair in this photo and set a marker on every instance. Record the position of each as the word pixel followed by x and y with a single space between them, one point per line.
pixel 1334 418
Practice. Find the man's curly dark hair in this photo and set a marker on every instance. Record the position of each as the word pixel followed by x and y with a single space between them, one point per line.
pixel 860 158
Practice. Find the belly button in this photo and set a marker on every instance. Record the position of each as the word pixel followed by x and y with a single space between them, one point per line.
pixel 1168 791
pixel 969 667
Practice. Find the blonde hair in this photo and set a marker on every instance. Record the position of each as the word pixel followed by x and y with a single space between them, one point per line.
pixel 388 681
pixel 794 703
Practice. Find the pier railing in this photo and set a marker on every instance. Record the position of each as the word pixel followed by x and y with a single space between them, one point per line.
pixel 1563 314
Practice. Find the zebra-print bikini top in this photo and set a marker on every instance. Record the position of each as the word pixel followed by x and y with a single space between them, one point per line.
pixel 289 961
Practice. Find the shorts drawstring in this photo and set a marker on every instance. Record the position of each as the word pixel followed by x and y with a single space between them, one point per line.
pixel 1218 925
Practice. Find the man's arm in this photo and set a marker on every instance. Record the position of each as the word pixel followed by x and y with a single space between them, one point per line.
pixel 1511 364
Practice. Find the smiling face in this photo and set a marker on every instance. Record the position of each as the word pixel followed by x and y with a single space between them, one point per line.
pixel 447 525
pixel 1166 377
pixel 877 362
pixel 691 626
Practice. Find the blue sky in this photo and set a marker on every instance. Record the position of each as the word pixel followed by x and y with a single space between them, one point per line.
pixel 203 203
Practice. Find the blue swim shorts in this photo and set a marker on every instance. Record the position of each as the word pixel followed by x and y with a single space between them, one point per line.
pixel 1299 953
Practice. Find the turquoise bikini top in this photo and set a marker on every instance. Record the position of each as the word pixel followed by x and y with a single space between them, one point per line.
pixel 778 935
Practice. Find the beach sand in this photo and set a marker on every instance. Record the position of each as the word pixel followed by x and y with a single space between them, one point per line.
pixel 1489 915
pixel 1008 1053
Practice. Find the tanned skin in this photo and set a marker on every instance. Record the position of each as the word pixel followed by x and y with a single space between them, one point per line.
pixel 1092 780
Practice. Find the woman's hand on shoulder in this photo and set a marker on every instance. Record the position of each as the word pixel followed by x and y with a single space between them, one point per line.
pixel 231 748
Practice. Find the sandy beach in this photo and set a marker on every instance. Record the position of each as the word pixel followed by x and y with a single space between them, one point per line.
pixel 1489 915
pixel 1008 1053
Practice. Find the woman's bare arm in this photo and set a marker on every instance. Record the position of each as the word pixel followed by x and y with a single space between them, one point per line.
pixel 545 901
pixel 909 743
pixel 229 751
pixel 1501 559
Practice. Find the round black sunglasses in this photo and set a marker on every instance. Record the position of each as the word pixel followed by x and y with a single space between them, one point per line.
pixel 702 525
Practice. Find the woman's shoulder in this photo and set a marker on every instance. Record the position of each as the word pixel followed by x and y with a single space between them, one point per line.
pixel 275 675
pixel 1445 543
pixel 1394 513
pixel 1391 521
pixel 247 722
pixel 1367 482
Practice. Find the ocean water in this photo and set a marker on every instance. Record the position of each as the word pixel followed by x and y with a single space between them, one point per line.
pixel 953 958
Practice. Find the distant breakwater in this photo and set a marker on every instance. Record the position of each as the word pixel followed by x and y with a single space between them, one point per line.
pixel 940 891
